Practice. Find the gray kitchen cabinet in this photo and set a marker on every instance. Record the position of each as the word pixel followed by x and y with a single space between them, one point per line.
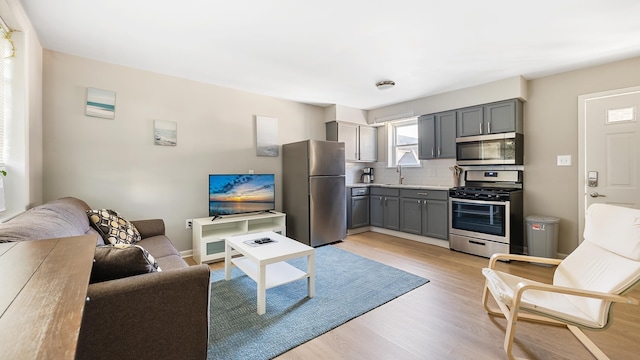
pixel 437 136
pixel 470 121
pixel 384 208
pixel 435 217
pixel 376 210
pixel 411 219
pixel 360 141
pixel 424 212
pixel 503 117
pixel 494 118
pixel 357 207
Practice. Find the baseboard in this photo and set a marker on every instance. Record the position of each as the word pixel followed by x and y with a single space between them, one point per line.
pixel 418 238
pixel 358 230
pixel 186 253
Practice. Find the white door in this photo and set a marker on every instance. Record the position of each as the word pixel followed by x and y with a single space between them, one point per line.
pixel 609 151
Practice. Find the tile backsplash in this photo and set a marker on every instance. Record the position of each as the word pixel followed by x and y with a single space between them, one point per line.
pixel 432 172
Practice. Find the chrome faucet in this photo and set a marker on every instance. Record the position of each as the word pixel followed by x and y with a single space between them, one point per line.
pixel 399 171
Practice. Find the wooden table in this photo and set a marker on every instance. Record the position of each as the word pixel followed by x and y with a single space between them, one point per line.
pixel 43 288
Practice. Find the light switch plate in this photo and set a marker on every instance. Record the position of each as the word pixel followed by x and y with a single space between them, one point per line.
pixel 564 160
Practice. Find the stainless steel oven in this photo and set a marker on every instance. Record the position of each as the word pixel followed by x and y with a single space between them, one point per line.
pixel 486 214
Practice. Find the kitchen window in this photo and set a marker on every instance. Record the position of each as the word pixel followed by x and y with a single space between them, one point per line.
pixel 403 143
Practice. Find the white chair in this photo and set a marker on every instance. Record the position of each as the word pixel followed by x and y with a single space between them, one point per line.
pixel 598 273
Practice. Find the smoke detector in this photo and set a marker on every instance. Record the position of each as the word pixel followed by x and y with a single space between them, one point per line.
pixel 384 85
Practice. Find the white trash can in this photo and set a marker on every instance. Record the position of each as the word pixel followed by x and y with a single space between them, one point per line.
pixel 542 235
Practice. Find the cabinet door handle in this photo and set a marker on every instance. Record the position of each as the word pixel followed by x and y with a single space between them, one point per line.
pixel 439 151
pixel 423 194
pixel 489 127
pixel 433 152
pixel 480 127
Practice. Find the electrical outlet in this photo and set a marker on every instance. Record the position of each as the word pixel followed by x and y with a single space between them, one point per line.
pixel 564 160
pixel 188 224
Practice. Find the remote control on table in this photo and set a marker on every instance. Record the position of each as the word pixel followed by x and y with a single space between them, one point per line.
pixel 262 240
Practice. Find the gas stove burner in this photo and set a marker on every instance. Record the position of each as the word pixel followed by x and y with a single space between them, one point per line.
pixel 488 185
pixel 481 193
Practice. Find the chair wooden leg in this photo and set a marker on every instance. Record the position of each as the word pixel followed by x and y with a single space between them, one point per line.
pixel 593 348
pixel 510 332
pixel 485 303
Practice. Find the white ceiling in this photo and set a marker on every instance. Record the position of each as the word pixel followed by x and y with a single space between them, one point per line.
pixel 334 51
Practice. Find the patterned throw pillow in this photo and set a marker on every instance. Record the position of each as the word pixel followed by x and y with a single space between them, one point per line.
pixel 121 260
pixel 113 228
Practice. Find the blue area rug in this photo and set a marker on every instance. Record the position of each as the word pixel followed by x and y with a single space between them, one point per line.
pixel 347 286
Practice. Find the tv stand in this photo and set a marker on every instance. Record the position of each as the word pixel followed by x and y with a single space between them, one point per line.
pixel 208 235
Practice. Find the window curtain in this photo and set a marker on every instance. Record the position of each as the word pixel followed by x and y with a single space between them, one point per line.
pixel 7 51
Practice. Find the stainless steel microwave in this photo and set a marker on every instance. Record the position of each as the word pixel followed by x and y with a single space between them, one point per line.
pixel 493 149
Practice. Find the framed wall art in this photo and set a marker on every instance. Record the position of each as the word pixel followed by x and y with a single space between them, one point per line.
pixel 267 136
pixel 165 132
pixel 101 103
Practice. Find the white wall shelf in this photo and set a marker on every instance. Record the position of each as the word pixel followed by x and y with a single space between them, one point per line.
pixel 208 235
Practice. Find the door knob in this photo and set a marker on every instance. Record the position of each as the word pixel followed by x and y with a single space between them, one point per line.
pixel 595 194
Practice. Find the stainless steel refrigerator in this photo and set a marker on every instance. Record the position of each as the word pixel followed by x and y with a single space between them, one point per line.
pixel 314 191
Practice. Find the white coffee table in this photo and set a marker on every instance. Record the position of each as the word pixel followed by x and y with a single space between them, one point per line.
pixel 265 263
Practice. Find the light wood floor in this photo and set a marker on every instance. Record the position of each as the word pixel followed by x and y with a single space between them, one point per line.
pixel 444 319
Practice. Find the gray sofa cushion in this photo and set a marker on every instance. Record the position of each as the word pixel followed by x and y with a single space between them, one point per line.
pixel 163 250
pixel 172 262
pixel 159 246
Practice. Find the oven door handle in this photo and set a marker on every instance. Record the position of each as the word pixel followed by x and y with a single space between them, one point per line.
pixel 483 202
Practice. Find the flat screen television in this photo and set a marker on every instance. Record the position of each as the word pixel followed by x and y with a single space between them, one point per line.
pixel 231 194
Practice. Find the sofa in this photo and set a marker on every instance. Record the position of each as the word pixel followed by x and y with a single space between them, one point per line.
pixel 155 315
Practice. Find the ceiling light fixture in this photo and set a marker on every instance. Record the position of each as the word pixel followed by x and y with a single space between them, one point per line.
pixel 384 85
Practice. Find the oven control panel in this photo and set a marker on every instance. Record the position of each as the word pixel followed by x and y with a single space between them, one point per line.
pixel 481 194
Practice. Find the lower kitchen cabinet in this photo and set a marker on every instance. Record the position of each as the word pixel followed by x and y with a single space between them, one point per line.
pixel 357 207
pixel 436 219
pixel 415 211
pixel 384 208
pixel 411 220
pixel 424 212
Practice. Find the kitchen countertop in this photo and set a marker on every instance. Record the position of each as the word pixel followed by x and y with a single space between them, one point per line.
pixel 402 186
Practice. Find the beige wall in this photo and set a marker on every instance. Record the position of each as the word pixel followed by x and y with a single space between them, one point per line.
pixel 114 163
pixel 551 129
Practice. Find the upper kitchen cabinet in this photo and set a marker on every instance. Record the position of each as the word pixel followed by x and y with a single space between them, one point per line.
pixel 470 121
pixel 494 118
pixel 360 141
pixel 437 136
